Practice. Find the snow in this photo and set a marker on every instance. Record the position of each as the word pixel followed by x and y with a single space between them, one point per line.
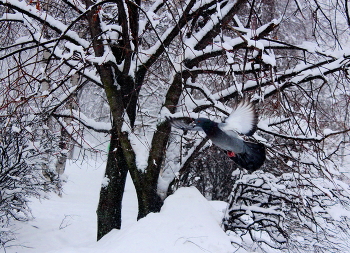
pixel 338 212
pixel 51 21
pixel 328 131
pixel 105 182
pixel 66 220
pixel 16 129
pixel 86 120
pixel 187 222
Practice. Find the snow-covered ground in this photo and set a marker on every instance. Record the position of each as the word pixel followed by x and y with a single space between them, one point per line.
pixel 67 224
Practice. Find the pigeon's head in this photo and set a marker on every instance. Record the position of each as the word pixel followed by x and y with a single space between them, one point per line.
pixel 204 123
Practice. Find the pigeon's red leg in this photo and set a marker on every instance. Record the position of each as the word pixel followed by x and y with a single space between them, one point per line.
pixel 231 154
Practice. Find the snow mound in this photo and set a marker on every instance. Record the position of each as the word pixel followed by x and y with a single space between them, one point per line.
pixel 187 223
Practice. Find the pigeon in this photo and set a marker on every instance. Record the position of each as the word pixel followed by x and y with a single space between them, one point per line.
pixel 234 135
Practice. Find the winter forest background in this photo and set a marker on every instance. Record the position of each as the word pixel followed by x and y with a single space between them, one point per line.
pixel 94 80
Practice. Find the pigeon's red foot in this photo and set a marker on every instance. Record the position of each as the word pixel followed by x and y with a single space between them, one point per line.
pixel 231 154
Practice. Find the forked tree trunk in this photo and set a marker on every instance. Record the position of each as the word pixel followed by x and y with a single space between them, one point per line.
pixel 121 159
pixel 122 91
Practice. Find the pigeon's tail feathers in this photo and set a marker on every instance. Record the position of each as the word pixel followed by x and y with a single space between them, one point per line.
pixel 253 157
pixel 243 119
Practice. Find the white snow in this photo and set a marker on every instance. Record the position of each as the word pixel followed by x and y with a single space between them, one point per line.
pixel 338 212
pixel 56 24
pixel 105 182
pixel 328 131
pixel 16 129
pixel 187 222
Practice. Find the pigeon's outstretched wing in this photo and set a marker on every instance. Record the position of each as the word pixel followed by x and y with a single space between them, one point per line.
pixel 243 119
pixel 184 123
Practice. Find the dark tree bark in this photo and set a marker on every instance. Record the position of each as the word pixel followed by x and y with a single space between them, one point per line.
pixel 110 203
pixel 111 195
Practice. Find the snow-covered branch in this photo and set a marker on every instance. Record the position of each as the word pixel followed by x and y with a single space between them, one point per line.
pixel 91 124
pixel 44 18
pixel 327 133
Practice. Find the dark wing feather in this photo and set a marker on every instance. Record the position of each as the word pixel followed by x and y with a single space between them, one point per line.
pixel 184 123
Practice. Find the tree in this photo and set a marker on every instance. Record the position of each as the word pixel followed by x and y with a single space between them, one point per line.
pixel 160 58
pixel 27 167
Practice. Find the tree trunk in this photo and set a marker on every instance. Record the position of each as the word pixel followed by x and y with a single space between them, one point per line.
pixel 111 195
pixel 149 200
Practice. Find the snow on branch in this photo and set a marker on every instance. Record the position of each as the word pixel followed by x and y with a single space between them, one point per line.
pixel 227 44
pixel 30 11
pixel 300 74
pixel 327 133
pixel 23 48
pixel 211 29
pixel 89 123
pixel 76 5
pixel 150 55
pixel 267 207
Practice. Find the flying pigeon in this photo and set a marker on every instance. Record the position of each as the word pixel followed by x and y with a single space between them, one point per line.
pixel 234 135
